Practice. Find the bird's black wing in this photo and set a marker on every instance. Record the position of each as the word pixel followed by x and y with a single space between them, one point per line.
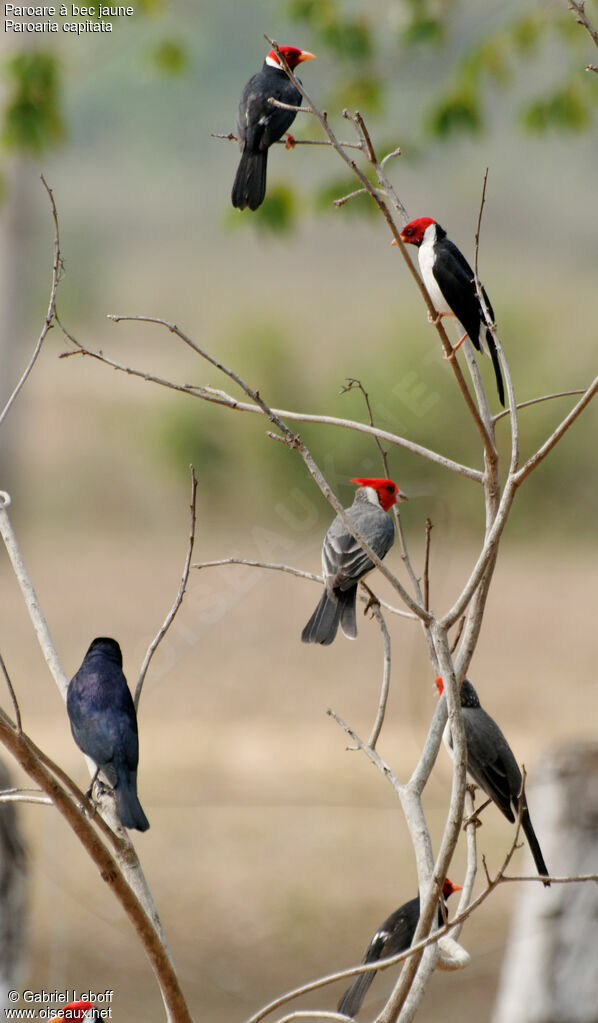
pixel 259 123
pixel 455 278
pixel 490 760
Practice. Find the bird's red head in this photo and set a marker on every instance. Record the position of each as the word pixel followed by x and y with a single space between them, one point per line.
pixel 292 55
pixel 439 685
pixel 73 1011
pixel 387 491
pixel 449 888
pixel 413 233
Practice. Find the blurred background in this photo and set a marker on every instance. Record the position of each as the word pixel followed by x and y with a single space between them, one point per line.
pixel 274 853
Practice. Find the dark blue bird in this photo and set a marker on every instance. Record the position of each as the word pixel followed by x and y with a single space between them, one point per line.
pixel 104 725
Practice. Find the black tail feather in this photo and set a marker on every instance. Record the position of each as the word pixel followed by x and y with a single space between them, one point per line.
pixel 496 363
pixel 352 1000
pixel 129 808
pixel 534 845
pixel 249 188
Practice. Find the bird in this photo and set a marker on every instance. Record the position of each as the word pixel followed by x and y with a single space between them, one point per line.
pixel 393 936
pixel 260 124
pixel 74 1011
pixel 344 563
pixel 492 765
pixel 104 725
pixel 450 282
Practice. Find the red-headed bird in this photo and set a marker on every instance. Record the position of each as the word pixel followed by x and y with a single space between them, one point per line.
pixel 344 563
pixel 393 936
pixel 450 282
pixel 492 765
pixel 104 725
pixel 260 124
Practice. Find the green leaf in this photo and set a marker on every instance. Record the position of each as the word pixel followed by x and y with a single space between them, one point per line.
pixel 362 92
pixel 170 57
pixel 277 214
pixel 350 40
pixel 458 113
pixel 32 118
pixel 564 110
pixel 423 31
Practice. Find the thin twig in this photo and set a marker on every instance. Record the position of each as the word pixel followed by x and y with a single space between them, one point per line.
pixel 301 574
pixel 372 755
pixel 57 267
pixel 217 396
pixel 13 695
pixel 385 687
pixel 295 443
pixel 229 136
pixel 536 401
pixel 535 460
pixel 25 796
pixel 429 528
pixel 178 599
pixel 578 9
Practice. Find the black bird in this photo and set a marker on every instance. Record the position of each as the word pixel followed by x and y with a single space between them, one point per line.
pixel 393 936
pixel 492 765
pixel 104 725
pixel 450 282
pixel 260 124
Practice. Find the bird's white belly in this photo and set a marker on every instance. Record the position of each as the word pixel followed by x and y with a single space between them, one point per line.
pixel 426 262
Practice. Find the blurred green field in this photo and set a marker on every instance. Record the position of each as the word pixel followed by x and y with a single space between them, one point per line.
pixel 274 853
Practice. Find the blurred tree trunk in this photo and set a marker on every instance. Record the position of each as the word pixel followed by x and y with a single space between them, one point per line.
pixel 13 878
pixel 550 972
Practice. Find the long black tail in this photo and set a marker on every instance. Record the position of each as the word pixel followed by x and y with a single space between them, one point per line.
pixel 352 1000
pixel 127 803
pixel 249 188
pixel 496 363
pixel 534 845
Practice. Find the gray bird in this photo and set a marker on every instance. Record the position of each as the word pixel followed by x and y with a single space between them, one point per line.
pixel 344 563
pixel 492 765
pixel 104 725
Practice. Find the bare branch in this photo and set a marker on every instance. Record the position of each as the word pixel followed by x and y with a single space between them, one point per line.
pixel 301 574
pixel 108 866
pixel 536 401
pixel 25 796
pixel 577 7
pixel 218 397
pixel 296 444
pixel 57 267
pixel 230 137
pixel 555 437
pixel 13 695
pixel 178 599
pixel 429 528
pixel 370 753
pixel 385 687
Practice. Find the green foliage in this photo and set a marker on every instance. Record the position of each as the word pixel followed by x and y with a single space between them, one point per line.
pixel 563 110
pixel 32 116
pixel 423 31
pixel 277 214
pixel 459 112
pixel 170 57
